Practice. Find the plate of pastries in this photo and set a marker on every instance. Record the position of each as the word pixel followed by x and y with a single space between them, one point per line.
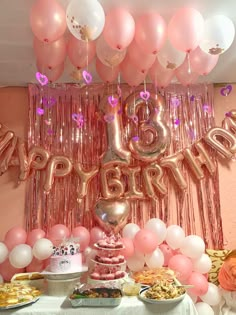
pixel 14 295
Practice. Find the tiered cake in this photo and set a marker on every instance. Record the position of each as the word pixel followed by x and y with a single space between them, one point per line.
pixel 109 262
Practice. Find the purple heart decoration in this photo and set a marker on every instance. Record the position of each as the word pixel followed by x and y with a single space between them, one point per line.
pixel 175 102
pixel 50 132
pixel 87 77
pixel 48 101
pixel 79 119
pixel 177 122
pixel 144 95
pixel 113 101
pixel 225 91
pixel 134 118
pixel 135 138
pixel 228 114
pixel 40 111
pixel 41 78
pixel 192 98
pixel 108 118
pixel 206 108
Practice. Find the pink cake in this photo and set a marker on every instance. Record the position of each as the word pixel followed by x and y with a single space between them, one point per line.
pixel 66 258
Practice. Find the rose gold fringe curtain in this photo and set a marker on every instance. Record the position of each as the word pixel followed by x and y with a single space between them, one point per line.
pixel 189 113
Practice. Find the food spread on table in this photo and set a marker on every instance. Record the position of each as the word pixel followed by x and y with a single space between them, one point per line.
pixel 164 290
pixel 151 276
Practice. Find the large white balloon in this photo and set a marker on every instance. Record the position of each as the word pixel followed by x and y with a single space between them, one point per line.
pixel 85 19
pixel 43 249
pixel 204 309
pixel 175 236
pixel 158 227
pixel 155 259
pixel 213 295
pixel 3 252
pixel 219 32
pixel 130 230
pixel 202 264
pixel 21 256
pixel 170 57
pixel 193 246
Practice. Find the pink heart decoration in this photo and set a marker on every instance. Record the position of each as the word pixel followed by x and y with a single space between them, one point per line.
pixel 40 111
pixel 109 118
pixel 50 132
pixel 175 102
pixel 87 77
pixel 48 102
pixel 79 119
pixel 42 79
pixel 144 95
pixel 113 101
pixel 135 138
pixel 226 90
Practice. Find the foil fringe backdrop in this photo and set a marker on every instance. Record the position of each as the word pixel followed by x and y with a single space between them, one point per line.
pixel 197 209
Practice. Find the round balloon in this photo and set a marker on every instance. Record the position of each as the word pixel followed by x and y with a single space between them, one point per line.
pixel 201 62
pixel 204 308
pixel 3 252
pixel 158 227
pixel 43 249
pixel 170 57
pixel 145 241
pixel 155 259
pixel 130 230
pixel 175 236
pixel 212 296
pixel 193 246
pixel 161 77
pixel 15 236
pixel 85 19
pixel 219 32
pixel 21 256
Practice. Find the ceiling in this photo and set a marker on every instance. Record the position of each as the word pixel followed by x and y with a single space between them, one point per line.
pixel 17 60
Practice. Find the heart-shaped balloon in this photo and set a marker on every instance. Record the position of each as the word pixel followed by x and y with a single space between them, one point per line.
pixel 112 215
pixel 226 90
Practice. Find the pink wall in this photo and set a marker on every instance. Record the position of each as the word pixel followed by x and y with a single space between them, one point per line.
pixel 13 113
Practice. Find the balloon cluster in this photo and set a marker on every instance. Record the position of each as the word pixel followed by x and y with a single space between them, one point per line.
pixel 132 48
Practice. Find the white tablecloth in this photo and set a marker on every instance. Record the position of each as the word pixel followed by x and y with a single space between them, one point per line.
pixel 48 305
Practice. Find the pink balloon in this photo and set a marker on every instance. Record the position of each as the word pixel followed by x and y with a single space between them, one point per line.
pixel 107 74
pixel 128 251
pixel 185 75
pixel 7 271
pixel 145 241
pixel 167 252
pixel 15 236
pixel 185 29
pixel 83 236
pixel 201 62
pixel 80 52
pixel 52 74
pixel 142 61
pixel 47 20
pixel 182 265
pixel 34 235
pixel 159 75
pixel 119 28
pixel 36 265
pixel 199 282
pixel 150 32
pixel 51 54
pixel 130 73
pixel 57 233
pixel 96 234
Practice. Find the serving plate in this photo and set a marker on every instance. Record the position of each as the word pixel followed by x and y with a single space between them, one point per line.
pixel 65 275
pixel 19 304
pixel 156 301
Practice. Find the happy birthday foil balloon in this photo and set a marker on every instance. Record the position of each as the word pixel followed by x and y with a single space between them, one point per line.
pixel 112 215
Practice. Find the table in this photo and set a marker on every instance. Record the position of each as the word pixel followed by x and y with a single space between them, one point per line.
pixel 48 305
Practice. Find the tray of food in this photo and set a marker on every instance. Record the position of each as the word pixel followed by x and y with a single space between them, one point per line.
pixel 163 292
pixel 87 295
pixel 149 277
pixel 14 295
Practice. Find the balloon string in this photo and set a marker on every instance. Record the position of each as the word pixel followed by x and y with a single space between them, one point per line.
pixel 189 64
pixel 87 48
pixel 144 84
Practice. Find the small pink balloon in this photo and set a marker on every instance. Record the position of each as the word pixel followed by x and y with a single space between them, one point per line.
pixel 119 28
pixel 185 75
pixel 199 282
pixel 47 20
pixel 15 236
pixel 131 74
pixel 139 59
pixel 160 76
pixel 150 32
pixel 80 52
pixel 128 251
pixel 34 235
pixel 58 232
pixel 107 74
pixel 182 265
pixel 167 252
pixel 201 62
pixel 7 271
pixel 50 54
pixel 52 74
pixel 83 236
pixel 36 265
pixel 96 234
pixel 145 241
pixel 187 21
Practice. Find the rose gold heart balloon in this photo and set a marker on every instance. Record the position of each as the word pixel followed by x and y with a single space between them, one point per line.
pixel 112 215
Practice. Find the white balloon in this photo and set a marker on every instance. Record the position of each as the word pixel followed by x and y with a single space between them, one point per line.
pixel 175 236
pixel 85 19
pixel 219 32
pixel 136 262
pixel 43 249
pixel 213 295
pixel 158 227
pixel 130 230
pixel 3 252
pixel 21 256
pixel 155 259
pixel 170 57
pixel 204 309
pixel 193 246
pixel 203 264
